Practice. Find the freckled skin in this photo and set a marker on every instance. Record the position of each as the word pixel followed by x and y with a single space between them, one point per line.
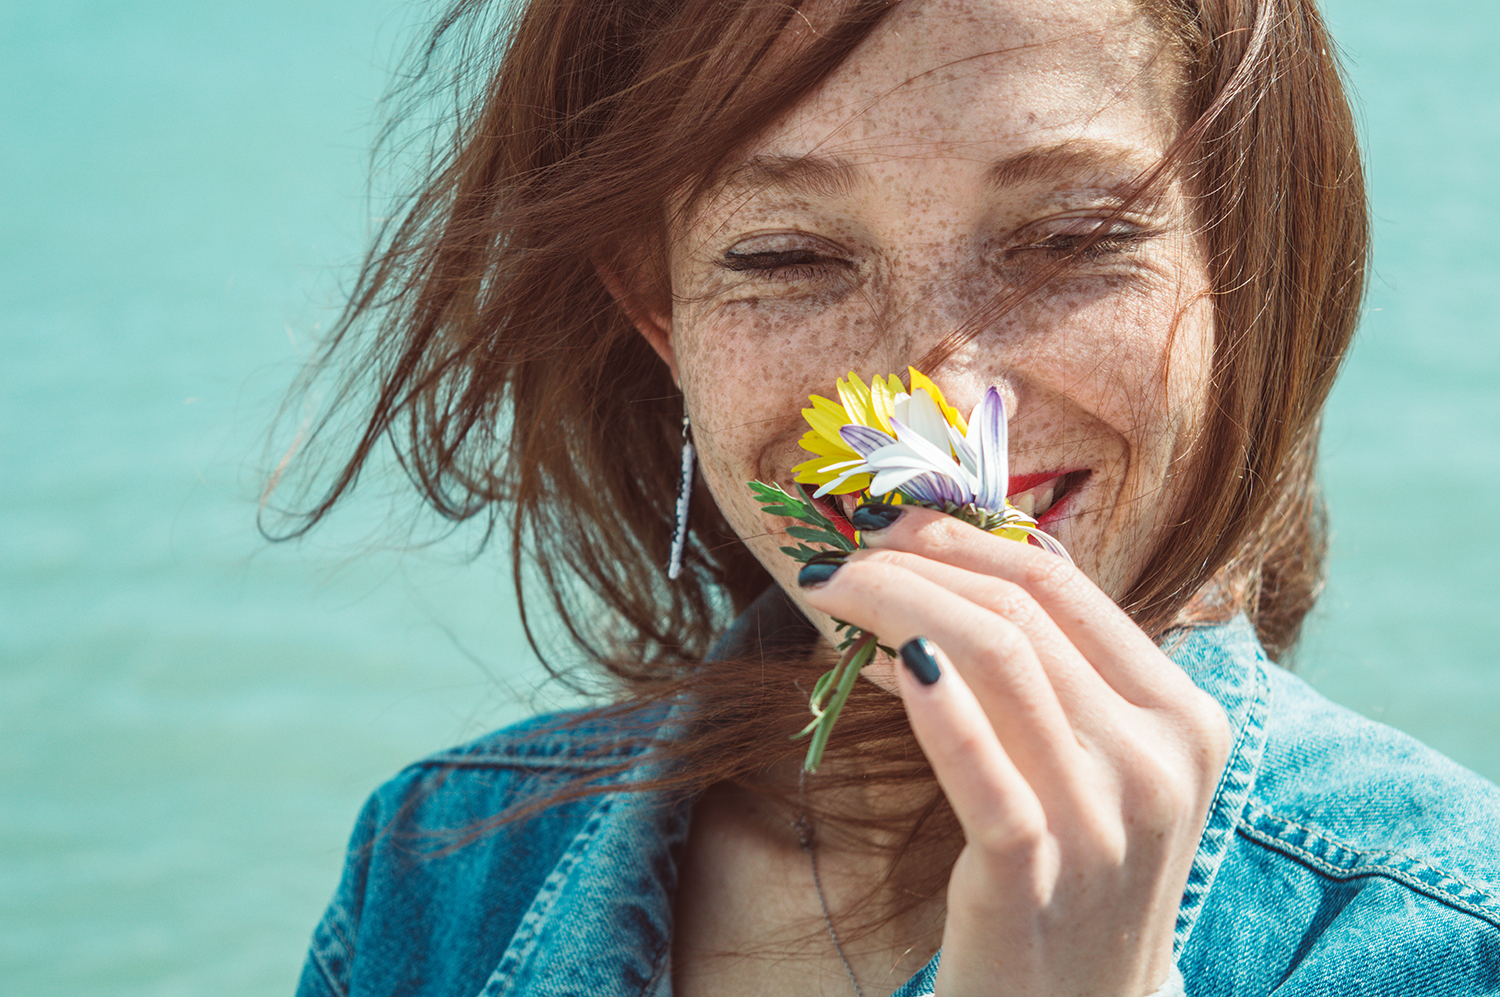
pixel 1105 368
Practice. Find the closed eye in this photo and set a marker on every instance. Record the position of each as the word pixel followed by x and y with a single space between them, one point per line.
pixel 1086 246
pixel 782 264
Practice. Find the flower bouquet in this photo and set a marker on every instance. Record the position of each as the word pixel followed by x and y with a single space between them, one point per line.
pixel 905 447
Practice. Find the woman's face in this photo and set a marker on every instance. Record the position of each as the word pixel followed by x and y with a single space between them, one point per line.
pixel 963 149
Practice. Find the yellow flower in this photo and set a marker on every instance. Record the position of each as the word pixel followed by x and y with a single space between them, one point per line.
pixel 860 405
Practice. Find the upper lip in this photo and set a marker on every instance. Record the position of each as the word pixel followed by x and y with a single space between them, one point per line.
pixel 1025 482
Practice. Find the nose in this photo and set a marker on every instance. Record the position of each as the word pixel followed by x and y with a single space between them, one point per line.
pixel 936 313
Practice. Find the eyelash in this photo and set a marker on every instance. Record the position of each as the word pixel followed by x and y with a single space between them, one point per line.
pixel 782 264
pixel 1078 245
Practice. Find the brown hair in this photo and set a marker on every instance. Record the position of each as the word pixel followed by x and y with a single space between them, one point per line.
pixel 511 387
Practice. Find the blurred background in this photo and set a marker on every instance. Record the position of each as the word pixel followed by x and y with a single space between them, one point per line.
pixel 190 718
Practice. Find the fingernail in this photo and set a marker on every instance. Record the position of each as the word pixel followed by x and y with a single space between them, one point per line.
pixel 917 656
pixel 817 572
pixel 875 516
pixel 828 557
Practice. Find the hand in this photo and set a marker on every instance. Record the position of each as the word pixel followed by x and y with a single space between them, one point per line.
pixel 1079 760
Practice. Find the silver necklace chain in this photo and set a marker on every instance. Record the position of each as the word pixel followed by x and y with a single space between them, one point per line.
pixel 805 838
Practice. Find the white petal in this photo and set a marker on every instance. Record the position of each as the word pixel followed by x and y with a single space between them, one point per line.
pixel 829 486
pixel 940 461
pixel 961 449
pixel 901 455
pixel 925 418
pixel 887 481
pixel 1048 542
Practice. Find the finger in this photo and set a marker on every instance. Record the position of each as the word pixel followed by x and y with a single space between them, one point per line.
pixel 994 804
pixel 1104 635
pixel 994 656
pixel 1079 686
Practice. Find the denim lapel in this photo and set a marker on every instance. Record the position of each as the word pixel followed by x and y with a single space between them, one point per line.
pixel 1226 661
pixel 601 926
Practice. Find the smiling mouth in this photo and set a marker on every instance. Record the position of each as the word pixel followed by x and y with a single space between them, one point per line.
pixel 1044 497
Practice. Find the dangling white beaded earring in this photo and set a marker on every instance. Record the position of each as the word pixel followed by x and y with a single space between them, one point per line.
pixel 684 499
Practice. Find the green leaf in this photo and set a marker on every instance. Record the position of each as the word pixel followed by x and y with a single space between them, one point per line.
pixel 818 536
pixel 777 501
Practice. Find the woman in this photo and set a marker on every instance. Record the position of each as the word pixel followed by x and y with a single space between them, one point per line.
pixel 1143 224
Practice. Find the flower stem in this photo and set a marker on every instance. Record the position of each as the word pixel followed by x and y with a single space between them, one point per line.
pixel 847 670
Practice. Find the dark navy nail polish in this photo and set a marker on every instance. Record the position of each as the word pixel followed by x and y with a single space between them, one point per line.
pixel 917 656
pixel 828 557
pixel 875 516
pixel 817 573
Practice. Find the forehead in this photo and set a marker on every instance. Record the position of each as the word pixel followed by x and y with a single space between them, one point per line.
pixel 986 79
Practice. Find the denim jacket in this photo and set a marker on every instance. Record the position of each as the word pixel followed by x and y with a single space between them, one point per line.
pixel 1339 857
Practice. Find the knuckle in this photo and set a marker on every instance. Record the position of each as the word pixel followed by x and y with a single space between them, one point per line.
pixel 1002 652
pixel 1162 803
pixel 1050 574
pixel 966 748
pixel 1110 846
pixel 947 532
pixel 1012 602
pixel 1015 835
pixel 881 555
pixel 1208 727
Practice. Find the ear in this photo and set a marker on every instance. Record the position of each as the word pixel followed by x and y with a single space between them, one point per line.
pixel 652 323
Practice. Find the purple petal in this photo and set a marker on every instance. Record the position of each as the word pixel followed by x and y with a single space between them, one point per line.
pixel 863 440
pixel 939 489
pixel 988 422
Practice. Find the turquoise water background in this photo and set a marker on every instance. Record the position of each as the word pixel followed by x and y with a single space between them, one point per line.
pixel 189 719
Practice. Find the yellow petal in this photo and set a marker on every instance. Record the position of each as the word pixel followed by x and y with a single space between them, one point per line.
pixel 856 399
pixel 819 466
pixel 826 418
pixel 813 443
pixel 883 400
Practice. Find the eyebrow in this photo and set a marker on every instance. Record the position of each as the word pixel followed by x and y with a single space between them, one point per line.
pixel 827 176
pixel 1101 162
pixel 1094 163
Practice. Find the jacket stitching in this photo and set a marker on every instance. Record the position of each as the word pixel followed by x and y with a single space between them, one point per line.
pixel 519 951
pixel 333 934
pixel 1487 912
pixel 1254 724
pixel 333 985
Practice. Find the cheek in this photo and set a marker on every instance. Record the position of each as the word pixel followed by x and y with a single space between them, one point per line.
pixel 747 371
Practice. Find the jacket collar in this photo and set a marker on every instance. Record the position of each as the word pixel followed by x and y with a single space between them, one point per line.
pixel 602 922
